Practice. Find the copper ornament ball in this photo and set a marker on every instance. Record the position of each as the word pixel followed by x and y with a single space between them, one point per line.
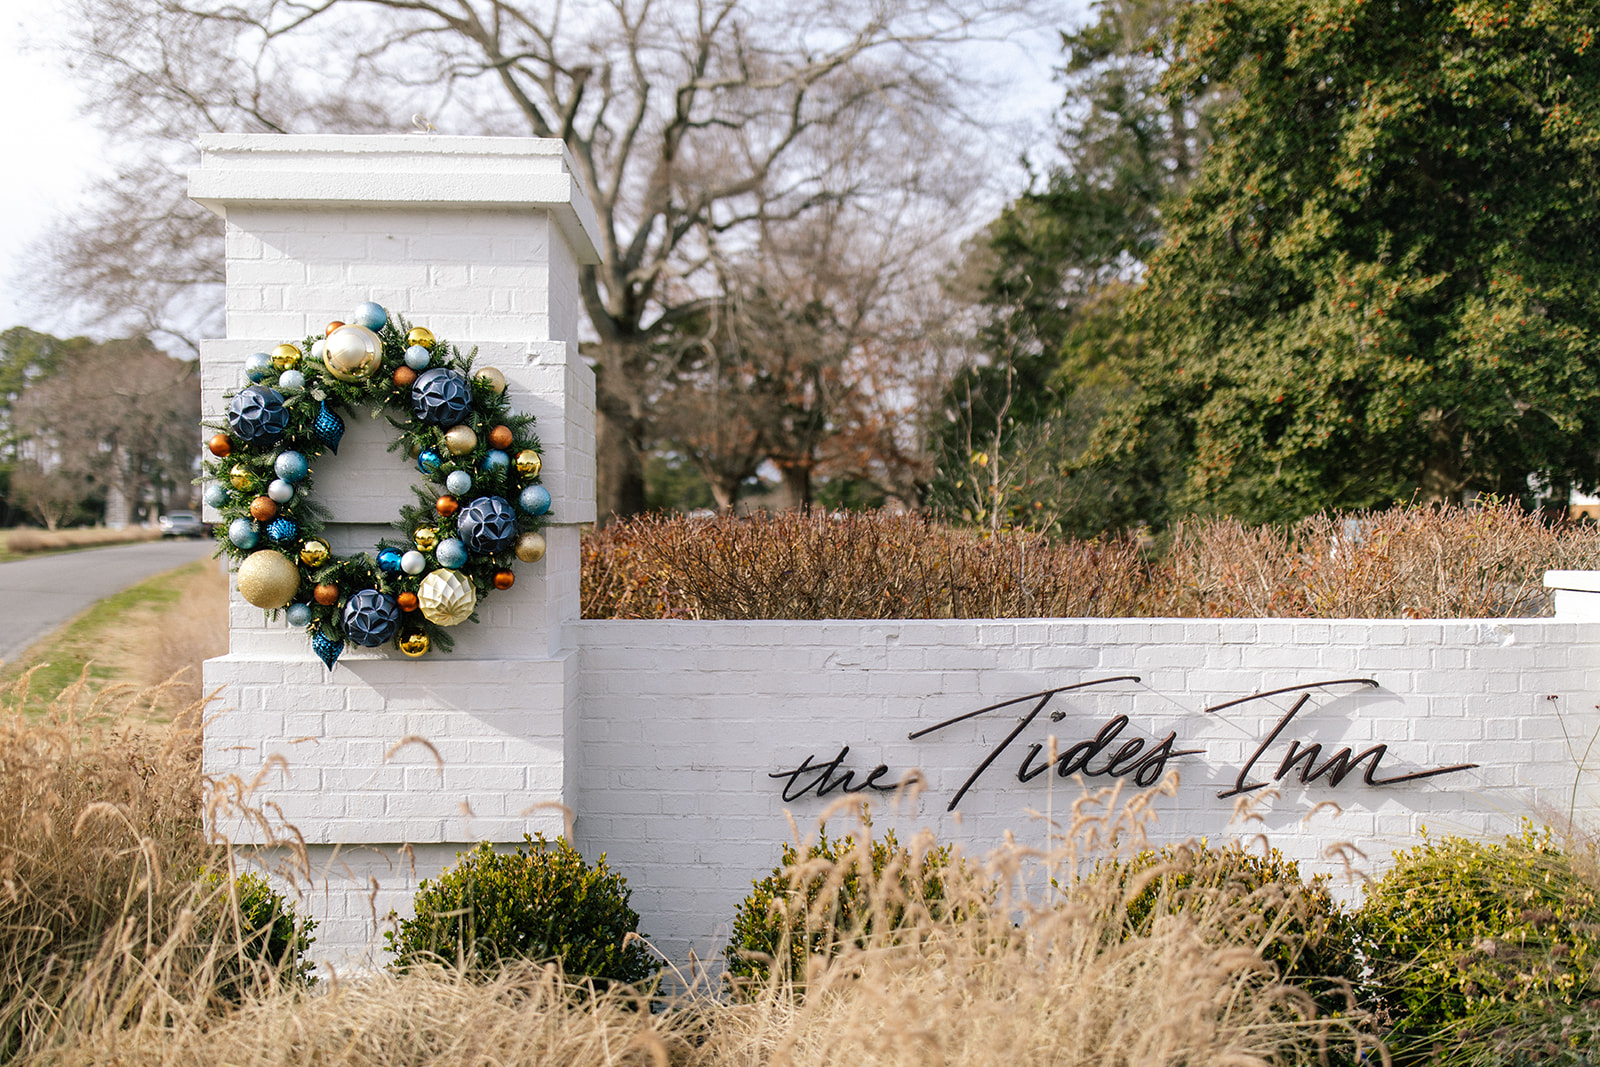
pixel 404 376
pixel 446 505
pixel 501 437
pixel 504 579
pixel 334 325
pixel 407 601
pixel 326 594
pixel 263 509
pixel 219 445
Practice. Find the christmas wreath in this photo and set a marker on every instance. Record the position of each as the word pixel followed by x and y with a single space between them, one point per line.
pixel 483 510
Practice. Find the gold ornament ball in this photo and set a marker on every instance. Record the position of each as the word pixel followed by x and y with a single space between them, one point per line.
pixel 529 463
pixel 352 353
pixel 240 477
pixel 267 579
pixel 426 538
pixel 285 357
pixel 530 548
pixel 313 553
pixel 414 644
pixel 495 378
pixel 460 440
pixel 420 335
pixel 446 598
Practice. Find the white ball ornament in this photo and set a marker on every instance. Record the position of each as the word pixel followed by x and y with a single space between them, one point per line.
pixel 267 579
pixel 446 598
pixel 413 562
pixel 280 491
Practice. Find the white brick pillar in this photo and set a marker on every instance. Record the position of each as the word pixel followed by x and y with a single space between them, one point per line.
pixel 480 240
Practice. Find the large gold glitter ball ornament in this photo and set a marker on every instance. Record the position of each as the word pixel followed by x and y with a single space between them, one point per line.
pixel 414 644
pixel 352 353
pixel 240 477
pixel 530 548
pixel 420 335
pixel 460 440
pixel 529 463
pixel 446 598
pixel 313 553
pixel 285 357
pixel 426 538
pixel 494 377
pixel 267 579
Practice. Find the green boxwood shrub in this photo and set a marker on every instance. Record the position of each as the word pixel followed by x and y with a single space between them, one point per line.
pixel 542 902
pixel 265 943
pixel 812 905
pixel 1460 933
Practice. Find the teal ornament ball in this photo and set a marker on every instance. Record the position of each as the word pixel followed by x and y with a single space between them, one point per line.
pixel 371 315
pixel 298 614
pixel 418 358
pixel 535 500
pixel 327 648
pixel 441 397
pixel 487 524
pixel 291 381
pixel 280 491
pixel 451 553
pixel 257 415
pixel 413 562
pixel 257 365
pixel 429 461
pixel 458 482
pixel 242 532
pixel 496 460
pixel 371 618
pixel 215 495
pixel 389 561
pixel 291 467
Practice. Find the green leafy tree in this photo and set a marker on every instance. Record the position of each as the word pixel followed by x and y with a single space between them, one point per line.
pixel 1382 282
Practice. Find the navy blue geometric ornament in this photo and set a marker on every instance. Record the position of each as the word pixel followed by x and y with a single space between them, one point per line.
pixel 282 530
pixel 371 618
pixel 441 397
pixel 327 648
pixel 257 416
pixel 487 525
pixel 329 429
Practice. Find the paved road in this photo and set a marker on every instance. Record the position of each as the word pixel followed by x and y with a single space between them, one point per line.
pixel 37 595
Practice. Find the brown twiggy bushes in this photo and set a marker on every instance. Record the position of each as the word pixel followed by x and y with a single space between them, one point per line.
pixel 1417 562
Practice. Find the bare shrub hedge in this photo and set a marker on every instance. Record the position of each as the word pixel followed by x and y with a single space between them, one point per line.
pixel 1416 562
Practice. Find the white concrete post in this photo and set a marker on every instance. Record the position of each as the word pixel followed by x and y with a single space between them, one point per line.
pixel 480 240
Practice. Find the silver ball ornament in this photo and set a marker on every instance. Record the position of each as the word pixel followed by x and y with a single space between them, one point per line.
pixel 352 354
pixel 535 500
pixel 292 381
pixel 215 495
pixel 280 491
pixel 451 553
pixel 257 365
pixel 418 358
pixel 242 532
pixel 413 562
pixel 458 482
pixel 299 614
pixel 370 315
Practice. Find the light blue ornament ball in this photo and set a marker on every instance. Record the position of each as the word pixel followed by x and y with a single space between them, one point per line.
pixel 291 467
pixel 496 460
pixel 451 553
pixel 299 614
pixel 257 366
pixel 418 358
pixel 280 491
pixel 371 315
pixel 535 500
pixel 413 562
pixel 242 532
pixel 291 381
pixel 458 482
pixel 216 496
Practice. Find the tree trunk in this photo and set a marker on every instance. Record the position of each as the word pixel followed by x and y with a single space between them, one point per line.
pixel 619 468
pixel 1441 470
pixel 797 482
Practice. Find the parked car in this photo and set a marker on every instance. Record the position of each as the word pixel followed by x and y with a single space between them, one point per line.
pixel 181 524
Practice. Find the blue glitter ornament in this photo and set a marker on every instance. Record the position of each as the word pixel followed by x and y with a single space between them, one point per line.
pixel 257 416
pixel 418 358
pixel 389 561
pixel 451 553
pixel 441 397
pixel 371 315
pixel 242 532
pixel 283 530
pixel 257 366
pixel 291 467
pixel 487 524
pixel 299 614
pixel 535 500
pixel 458 482
pixel 496 460
pixel 329 429
pixel 371 617
pixel 327 648
pixel 216 496
pixel 428 461
pixel 291 381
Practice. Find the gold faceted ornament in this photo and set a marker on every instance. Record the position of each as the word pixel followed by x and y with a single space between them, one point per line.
pixel 352 353
pixel 313 553
pixel 267 579
pixel 414 644
pixel 240 477
pixel 420 335
pixel 530 548
pixel 529 463
pixel 426 538
pixel 495 378
pixel 446 598
pixel 285 357
pixel 460 440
